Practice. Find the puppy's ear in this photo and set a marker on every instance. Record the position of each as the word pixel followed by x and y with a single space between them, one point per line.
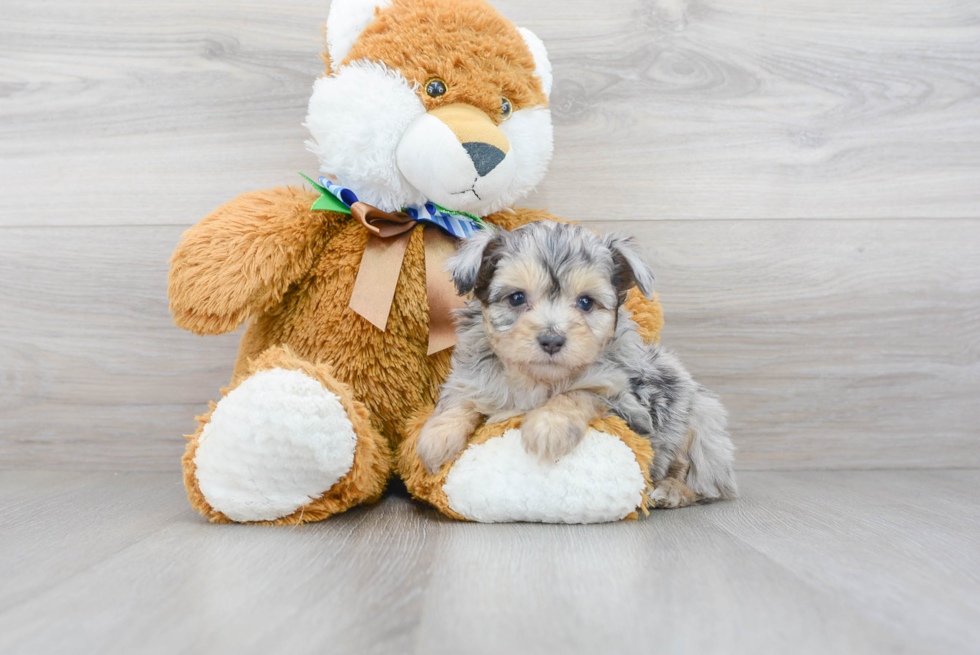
pixel 473 266
pixel 629 269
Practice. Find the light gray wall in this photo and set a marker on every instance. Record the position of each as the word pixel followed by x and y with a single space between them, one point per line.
pixel 805 176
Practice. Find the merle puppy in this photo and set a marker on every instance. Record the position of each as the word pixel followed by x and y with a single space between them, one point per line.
pixel 546 335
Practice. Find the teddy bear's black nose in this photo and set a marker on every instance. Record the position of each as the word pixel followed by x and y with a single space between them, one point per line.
pixel 551 342
pixel 485 156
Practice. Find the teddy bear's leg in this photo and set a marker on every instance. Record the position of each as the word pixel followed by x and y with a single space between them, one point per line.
pixel 287 444
pixel 606 477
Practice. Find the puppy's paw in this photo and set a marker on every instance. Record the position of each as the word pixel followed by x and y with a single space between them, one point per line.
pixel 441 439
pixel 550 434
pixel 671 493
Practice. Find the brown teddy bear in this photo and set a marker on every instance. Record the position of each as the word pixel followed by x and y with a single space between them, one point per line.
pixel 431 121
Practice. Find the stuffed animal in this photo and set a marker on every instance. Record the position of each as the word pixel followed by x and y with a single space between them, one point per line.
pixel 430 122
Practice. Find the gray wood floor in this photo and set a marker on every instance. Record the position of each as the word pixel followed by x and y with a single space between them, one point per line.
pixel 804 562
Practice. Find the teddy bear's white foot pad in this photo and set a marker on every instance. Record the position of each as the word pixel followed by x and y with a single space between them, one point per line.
pixel 275 442
pixel 498 481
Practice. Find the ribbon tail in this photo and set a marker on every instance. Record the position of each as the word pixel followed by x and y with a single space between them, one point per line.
pixel 377 277
pixel 440 290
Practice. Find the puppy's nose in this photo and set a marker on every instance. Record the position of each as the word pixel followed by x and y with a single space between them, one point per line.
pixel 551 342
pixel 485 156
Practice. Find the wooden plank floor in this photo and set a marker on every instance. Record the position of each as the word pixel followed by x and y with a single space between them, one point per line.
pixel 804 562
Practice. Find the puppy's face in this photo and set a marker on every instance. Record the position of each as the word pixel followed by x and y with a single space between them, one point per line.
pixel 546 323
pixel 550 293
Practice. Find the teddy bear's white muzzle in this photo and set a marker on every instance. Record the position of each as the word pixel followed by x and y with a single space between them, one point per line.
pixel 453 166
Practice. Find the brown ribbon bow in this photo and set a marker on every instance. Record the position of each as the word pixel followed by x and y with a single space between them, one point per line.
pixel 374 288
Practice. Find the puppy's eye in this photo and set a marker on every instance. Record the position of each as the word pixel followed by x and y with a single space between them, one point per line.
pixel 516 299
pixel 506 109
pixel 435 88
pixel 585 304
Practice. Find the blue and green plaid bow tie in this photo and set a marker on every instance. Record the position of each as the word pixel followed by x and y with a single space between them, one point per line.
pixel 461 225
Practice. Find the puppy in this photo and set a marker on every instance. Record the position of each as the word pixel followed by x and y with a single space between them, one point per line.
pixel 546 335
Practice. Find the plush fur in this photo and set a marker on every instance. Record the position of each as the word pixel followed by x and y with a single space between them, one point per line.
pixel 480 54
pixel 542 66
pixel 265 255
pixel 376 129
pixel 357 118
pixel 276 414
pixel 512 487
pixel 266 259
pixel 546 336
pixel 363 483
pixel 346 21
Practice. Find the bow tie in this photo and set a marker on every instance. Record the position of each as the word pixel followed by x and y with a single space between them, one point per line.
pixel 459 224
pixel 389 232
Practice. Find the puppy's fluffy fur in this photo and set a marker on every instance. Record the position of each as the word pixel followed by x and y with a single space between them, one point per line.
pixel 546 335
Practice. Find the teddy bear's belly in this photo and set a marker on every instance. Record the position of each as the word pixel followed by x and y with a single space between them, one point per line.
pixel 388 371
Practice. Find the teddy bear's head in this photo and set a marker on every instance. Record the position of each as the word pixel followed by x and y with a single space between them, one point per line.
pixel 431 100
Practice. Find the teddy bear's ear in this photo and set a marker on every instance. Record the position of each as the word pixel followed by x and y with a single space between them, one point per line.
pixel 542 64
pixel 346 21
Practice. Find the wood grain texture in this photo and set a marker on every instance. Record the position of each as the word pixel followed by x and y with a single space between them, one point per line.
pixel 855 522
pixel 832 345
pixel 143 112
pixel 811 562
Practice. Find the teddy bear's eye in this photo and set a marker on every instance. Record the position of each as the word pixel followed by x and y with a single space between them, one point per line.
pixel 435 88
pixel 506 109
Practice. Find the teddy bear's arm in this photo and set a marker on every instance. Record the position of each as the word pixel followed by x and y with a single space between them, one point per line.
pixel 242 258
